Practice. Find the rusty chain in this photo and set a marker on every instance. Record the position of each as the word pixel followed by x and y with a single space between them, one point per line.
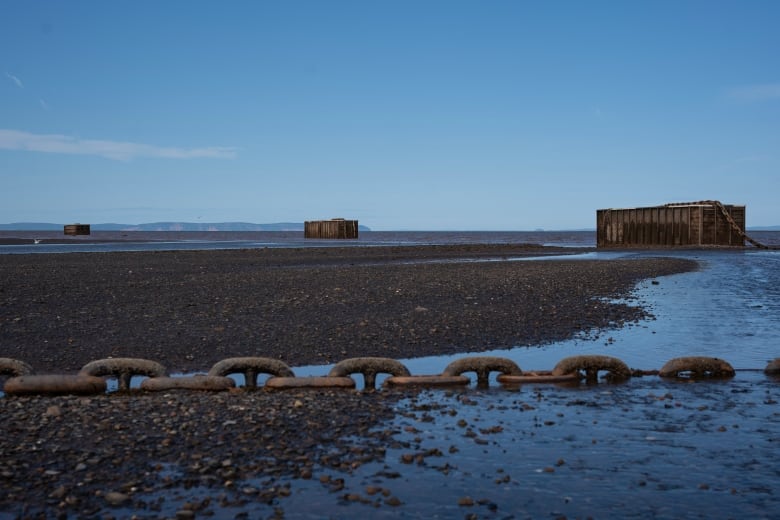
pixel 734 226
pixel 570 370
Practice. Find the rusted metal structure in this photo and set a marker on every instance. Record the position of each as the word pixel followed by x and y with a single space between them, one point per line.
pixel 334 228
pixel 77 229
pixel 702 223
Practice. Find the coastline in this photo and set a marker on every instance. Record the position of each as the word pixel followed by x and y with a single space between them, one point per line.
pixel 306 306
pixel 344 453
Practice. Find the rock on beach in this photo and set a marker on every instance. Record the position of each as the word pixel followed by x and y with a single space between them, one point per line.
pixel 190 309
pixel 91 456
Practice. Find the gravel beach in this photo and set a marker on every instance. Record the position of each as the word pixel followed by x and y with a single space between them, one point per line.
pixel 188 310
pixel 188 454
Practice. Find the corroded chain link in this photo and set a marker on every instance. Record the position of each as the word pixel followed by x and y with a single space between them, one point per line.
pixel 719 205
pixel 569 370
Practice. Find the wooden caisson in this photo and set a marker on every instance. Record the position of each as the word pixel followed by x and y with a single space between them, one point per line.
pixel 705 223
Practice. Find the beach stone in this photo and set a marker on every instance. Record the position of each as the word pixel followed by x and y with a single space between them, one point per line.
pixel 115 498
pixel 773 367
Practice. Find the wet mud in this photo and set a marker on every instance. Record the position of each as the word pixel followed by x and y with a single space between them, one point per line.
pixel 645 448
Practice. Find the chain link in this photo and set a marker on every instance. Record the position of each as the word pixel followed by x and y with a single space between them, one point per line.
pixel 719 206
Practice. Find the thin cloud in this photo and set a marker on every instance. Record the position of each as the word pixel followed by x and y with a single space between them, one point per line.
pixel 764 92
pixel 44 104
pixel 15 80
pixel 117 150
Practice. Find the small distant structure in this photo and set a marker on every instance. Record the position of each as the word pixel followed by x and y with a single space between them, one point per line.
pixel 77 229
pixel 337 228
pixel 702 223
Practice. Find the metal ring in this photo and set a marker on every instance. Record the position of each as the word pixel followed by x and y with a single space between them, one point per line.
pixel 369 367
pixel 483 366
pixel 251 367
pixel 123 369
pixel 697 367
pixel 14 367
pixel 591 366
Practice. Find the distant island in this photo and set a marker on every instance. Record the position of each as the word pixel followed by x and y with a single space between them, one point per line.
pixel 166 226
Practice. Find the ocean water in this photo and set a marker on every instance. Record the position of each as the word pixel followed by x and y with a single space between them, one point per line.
pixel 56 242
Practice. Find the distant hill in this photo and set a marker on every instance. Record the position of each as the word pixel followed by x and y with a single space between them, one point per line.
pixel 166 226
pixel 763 228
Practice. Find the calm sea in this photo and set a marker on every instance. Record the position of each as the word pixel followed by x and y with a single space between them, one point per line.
pixel 172 240
pixel 56 242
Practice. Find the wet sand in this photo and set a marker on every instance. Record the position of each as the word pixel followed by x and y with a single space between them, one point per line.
pixel 188 454
pixel 190 309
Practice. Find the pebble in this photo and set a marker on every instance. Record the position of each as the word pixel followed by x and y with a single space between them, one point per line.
pixel 393 501
pixel 114 498
pixel 466 501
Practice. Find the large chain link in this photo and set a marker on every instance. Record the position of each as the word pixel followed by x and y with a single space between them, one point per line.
pixel 719 205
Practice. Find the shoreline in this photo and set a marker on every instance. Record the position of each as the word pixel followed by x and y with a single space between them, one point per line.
pixel 256 453
pixel 306 306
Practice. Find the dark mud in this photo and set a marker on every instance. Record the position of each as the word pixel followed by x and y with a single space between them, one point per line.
pixel 646 448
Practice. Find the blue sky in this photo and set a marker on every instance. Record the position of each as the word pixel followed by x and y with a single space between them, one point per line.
pixel 419 115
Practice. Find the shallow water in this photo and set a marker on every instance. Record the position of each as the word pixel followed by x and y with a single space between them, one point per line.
pixel 646 448
pixel 729 308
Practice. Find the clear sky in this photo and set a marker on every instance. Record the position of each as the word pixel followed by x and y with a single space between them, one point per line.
pixel 406 115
